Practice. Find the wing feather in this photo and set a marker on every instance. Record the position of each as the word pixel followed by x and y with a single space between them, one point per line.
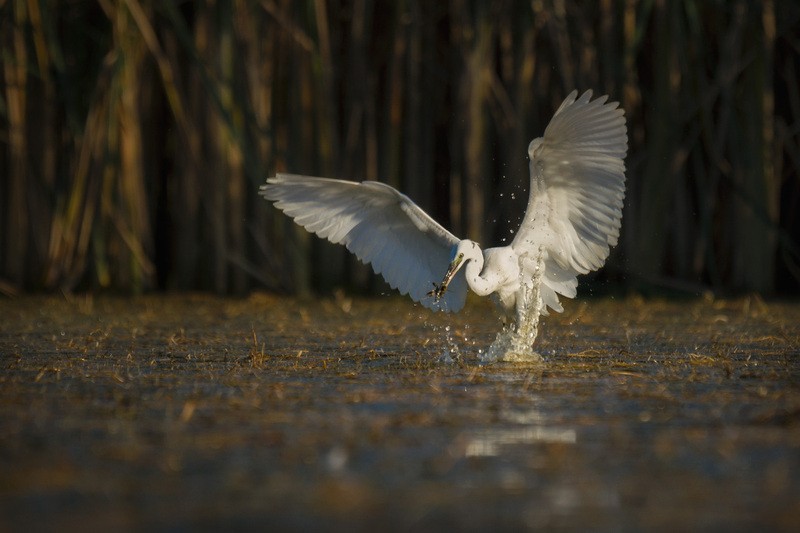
pixel 378 224
pixel 577 189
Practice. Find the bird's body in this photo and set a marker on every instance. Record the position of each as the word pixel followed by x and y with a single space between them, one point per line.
pixel 492 272
pixel 573 217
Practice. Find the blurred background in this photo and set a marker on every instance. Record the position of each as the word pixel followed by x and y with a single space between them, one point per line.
pixel 134 133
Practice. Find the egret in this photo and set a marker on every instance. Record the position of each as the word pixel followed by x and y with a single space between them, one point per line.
pixel 573 218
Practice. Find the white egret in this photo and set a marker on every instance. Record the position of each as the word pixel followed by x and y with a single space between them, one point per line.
pixel 577 186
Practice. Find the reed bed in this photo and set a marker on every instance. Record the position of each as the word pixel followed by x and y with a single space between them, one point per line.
pixel 134 133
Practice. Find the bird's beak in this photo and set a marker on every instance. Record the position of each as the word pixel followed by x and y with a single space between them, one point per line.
pixel 439 290
pixel 455 264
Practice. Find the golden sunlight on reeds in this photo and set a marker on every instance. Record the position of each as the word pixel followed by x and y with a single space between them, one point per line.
pixel 134 133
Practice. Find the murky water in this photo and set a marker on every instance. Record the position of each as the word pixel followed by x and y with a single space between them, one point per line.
pixel 197 412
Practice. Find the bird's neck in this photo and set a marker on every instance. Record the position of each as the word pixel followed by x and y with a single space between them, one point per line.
pixel 479 284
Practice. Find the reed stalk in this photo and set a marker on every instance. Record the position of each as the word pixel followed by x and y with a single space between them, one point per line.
pixel 134 133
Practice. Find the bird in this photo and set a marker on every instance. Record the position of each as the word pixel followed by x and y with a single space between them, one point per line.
pixel 573 218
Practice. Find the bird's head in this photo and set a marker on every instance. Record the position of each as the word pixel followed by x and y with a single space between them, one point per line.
pixel 464 251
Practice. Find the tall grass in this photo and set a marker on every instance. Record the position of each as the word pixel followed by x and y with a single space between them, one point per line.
pixel 134 133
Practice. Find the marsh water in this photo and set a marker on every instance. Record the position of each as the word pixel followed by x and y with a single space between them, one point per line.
pixel 195 412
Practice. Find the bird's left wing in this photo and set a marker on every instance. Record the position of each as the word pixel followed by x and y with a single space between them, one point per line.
pixel 380 225
pixel 577 185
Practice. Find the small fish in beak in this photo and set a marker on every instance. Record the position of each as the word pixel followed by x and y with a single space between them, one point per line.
pixel 439 289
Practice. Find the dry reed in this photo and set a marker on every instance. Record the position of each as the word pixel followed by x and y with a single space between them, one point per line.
pixel 133 133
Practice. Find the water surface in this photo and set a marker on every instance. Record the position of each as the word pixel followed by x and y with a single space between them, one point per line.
pixel 198 412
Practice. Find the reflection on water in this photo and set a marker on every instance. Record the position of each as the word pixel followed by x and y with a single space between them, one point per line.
pixel 533 429
pixel 490 442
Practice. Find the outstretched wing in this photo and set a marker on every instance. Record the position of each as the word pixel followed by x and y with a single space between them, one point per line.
pixel 380 225
pixel 577 189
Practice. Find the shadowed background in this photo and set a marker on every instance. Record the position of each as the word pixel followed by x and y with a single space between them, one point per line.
pixel 134 133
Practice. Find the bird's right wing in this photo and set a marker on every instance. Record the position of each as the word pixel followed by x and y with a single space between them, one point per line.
pixel 577 189
pixel 380 225
pixel 582 164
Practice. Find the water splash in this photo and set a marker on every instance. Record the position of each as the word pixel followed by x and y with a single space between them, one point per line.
pixel 452 353
pixel 514 343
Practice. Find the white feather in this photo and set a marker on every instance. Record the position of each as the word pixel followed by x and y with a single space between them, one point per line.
pixel 380 225
pixel 573 217
pixel 577 189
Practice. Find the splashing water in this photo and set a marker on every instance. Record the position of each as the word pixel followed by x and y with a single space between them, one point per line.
pixel 515 342
pixel 452 353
